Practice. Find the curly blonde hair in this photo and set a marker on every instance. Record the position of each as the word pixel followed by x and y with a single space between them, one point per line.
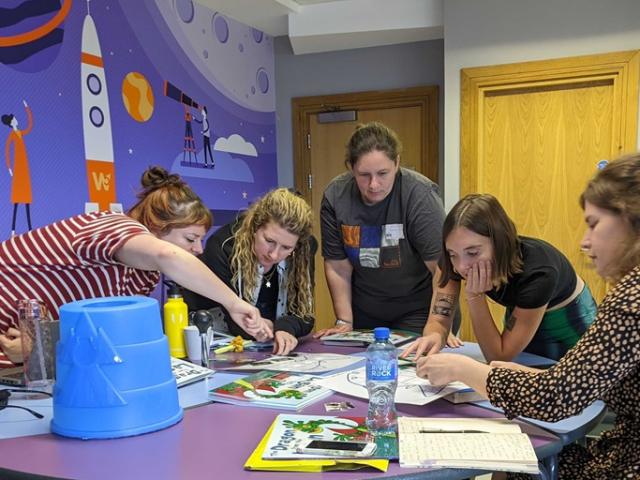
pixel 292 213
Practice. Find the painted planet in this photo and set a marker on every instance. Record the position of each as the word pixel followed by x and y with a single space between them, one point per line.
pixel 137 96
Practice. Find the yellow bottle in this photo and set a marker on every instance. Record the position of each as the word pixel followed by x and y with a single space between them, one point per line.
pixel 176 317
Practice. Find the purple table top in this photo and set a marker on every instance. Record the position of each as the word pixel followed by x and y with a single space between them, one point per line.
pixel 214 441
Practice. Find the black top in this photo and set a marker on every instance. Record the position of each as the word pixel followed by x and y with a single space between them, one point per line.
pixel 547 278
pixel 217 255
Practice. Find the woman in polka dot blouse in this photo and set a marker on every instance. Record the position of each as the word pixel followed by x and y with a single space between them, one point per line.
pixel 605 363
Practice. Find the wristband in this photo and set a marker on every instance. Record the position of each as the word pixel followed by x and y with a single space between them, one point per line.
pixel 342 322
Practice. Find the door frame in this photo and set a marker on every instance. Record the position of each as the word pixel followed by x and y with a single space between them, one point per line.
pixel 303 107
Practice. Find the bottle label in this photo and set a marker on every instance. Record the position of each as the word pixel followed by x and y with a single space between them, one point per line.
pixel 385 371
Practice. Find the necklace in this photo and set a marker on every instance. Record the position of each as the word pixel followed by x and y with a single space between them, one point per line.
pixel 267 278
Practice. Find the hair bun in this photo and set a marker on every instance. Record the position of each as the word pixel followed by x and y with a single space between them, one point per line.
pixel 157 177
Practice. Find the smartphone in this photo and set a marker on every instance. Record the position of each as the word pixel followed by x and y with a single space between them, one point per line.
pixel 330 448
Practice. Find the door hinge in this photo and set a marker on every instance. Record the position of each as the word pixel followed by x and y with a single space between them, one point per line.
pixel 308 141
pixel 310 181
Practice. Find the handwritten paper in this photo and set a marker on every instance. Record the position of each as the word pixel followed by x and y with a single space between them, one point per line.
pixel 463 443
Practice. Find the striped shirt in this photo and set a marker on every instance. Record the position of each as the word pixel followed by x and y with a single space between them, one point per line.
pixel 69 260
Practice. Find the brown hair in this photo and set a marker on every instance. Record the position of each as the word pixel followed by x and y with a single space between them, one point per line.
pixel 167 202
pixel 483 214
pixel 616 188
pixel 369 137
pixel 293 213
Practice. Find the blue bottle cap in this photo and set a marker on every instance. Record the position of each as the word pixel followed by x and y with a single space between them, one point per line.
pixel 381 333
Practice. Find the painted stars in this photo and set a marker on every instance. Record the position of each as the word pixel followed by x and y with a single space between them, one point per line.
pixel 244 195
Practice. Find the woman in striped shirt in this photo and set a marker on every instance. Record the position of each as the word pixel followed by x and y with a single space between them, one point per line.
pixel 105 254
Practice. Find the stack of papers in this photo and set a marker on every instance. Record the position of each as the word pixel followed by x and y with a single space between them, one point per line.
pixel 187 372
pixel 489 444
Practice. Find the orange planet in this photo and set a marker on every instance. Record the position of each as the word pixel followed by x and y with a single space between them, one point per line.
pixel 137 96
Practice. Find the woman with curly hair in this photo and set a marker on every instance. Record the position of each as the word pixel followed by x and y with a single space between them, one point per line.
pixel 266 256
pixel 110 254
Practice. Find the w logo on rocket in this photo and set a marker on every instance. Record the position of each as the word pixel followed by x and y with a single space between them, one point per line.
pixel 101 181
pixel 102 187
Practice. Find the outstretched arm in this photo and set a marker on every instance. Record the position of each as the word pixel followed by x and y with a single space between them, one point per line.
pixel 338 273
pixel 29 118
pixel 147 252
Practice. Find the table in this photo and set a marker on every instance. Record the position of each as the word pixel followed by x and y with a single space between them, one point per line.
pixel 568 430
pixel 215 440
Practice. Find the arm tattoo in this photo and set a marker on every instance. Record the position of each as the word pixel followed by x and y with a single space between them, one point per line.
pixel 510 322
pixel 444 304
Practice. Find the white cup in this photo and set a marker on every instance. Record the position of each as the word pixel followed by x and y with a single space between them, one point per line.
pixel 193 343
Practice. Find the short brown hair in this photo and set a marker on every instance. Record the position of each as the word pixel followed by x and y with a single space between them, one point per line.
pixel 616 188
pixel 369 137
pixel 483 214
pixel 167 202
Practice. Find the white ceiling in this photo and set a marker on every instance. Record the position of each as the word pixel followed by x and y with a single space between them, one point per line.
pixel 326 25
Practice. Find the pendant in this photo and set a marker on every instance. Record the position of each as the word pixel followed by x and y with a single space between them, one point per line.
pixel 268 284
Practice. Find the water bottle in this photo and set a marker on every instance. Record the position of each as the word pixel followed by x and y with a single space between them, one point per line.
pixel 175 320
pixel 382 380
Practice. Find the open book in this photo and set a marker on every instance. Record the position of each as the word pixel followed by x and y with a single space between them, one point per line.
pixel 362 338
pixel 490 444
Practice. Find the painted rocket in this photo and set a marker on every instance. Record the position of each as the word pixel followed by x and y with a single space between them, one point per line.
pixel 96 123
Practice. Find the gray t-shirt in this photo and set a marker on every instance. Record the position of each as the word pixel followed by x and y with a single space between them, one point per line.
pixel 386 243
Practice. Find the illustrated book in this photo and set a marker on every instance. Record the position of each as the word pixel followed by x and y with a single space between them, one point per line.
pixel 257 462
pixel 293 432
pixel 271 389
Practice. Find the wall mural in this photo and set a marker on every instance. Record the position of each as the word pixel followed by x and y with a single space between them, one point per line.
pixel 93 92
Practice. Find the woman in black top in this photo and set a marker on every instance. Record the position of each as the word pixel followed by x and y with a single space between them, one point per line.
pixel 266 256
pixel 548 306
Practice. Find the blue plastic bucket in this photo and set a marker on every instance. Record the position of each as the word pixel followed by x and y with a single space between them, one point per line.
pixel 113 372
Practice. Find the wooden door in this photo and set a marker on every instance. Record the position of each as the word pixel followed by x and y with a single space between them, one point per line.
pixel 532 134
pixel 323 153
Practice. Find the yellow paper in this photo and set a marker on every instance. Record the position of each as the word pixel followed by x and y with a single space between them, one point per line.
pixel 255 461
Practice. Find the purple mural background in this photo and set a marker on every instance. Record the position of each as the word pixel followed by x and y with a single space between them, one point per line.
pixel 217 62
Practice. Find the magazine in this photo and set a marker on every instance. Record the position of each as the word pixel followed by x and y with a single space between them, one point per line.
pixel 301 362
pixel 187 372
pixel 256 462
pixel 362 338
pixel 285 390
pixel 293 432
